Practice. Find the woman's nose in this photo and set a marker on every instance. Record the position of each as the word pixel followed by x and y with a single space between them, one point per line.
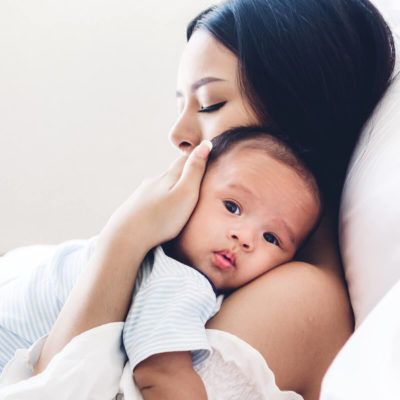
pixel 244 237
pixel 185 134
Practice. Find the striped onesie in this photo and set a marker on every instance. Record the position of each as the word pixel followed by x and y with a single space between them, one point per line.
pixel 170 305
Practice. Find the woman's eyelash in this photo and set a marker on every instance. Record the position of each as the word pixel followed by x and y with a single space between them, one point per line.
pixel 213 107
pixel 270 238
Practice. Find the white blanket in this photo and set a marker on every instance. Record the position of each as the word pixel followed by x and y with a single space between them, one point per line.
pixel 92 366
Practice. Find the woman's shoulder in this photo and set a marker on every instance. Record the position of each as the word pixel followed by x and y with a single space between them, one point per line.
pixel 297 316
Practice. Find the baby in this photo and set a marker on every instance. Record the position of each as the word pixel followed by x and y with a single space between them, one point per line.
pixel 257 205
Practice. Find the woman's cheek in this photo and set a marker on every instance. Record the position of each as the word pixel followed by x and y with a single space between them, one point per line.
pixel 214 126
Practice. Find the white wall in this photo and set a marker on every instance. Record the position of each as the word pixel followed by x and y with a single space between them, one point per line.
pixel 87 96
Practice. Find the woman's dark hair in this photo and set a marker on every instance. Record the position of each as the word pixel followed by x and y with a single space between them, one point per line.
pixel 313 68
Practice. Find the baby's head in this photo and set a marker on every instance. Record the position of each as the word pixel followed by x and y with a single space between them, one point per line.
pixel 257 205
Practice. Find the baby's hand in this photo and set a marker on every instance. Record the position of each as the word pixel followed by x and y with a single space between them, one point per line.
pixel 160 207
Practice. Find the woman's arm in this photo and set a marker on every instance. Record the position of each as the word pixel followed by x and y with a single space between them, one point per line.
pixel 322 248
pixel 297 316
pixel 155 213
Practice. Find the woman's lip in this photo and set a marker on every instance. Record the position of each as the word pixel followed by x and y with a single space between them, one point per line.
pixel 221 261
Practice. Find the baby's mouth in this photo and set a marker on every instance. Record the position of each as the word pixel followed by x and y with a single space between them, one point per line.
pixel 225 259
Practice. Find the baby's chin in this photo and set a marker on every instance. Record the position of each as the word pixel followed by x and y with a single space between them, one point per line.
pixel 172 249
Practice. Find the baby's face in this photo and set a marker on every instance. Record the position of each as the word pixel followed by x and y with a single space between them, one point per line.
pixel 253 213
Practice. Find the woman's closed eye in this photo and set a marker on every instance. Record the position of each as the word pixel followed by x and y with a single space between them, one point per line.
pixel 232 207
pixel 270 238
pixel 213 107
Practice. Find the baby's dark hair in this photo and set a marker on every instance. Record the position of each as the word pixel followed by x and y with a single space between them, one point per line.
pixel 265 139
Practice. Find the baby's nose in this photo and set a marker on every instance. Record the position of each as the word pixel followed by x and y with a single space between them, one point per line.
pixel 244 237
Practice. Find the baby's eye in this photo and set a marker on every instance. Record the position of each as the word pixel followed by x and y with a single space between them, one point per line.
pixel 213 107
pixel 232 207
pixel 270 238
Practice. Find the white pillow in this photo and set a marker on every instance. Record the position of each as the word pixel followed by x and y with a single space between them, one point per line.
pixel 390 9
pixel 368 366
pixel 369 222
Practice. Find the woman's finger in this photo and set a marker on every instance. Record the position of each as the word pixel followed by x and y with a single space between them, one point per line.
pixel 174 172
pixel 195 166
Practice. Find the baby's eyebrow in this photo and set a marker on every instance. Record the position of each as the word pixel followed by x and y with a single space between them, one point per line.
pixel 243 188
pixel 201 82
pixel 288 230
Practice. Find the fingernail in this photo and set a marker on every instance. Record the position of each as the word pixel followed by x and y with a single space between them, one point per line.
pixel 203 149
pixel 208 143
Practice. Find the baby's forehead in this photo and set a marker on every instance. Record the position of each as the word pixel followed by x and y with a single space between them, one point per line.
pixel 245 153
pixel 243 161
pixel 275 159
pixel 265 189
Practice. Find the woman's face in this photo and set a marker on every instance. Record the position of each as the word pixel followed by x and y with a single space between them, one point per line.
pixel 208 93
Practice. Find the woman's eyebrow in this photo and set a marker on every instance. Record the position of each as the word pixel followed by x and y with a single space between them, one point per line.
pixel 201 82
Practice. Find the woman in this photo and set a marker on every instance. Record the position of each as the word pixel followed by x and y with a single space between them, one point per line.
pixel 314 69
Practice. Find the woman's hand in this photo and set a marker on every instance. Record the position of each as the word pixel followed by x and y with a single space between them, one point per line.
pixel 155 213
pixel 161 206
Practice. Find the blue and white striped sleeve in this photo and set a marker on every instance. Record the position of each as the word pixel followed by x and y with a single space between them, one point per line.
pixel 9 343
pixel 31 301
pixel 169 314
